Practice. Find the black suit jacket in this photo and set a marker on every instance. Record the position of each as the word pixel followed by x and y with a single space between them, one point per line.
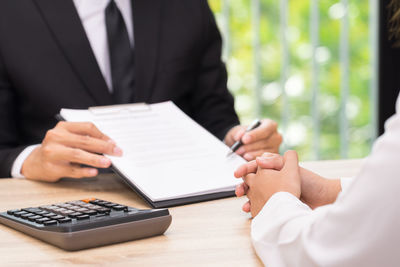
pixel 46 63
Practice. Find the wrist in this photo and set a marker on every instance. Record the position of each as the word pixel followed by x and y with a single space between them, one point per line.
pixel 317 190
pixel 332 189
pixel 16 169
pixel 29 163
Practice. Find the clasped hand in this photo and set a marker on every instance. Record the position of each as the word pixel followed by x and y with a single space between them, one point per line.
pixel 278 174
pixel 272 173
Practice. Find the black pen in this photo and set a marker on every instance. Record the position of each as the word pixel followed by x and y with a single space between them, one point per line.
pixel 239 143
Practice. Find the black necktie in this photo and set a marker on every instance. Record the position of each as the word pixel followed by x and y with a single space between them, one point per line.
pixel 121 55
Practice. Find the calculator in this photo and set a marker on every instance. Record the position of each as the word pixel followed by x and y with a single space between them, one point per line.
pixel 87 223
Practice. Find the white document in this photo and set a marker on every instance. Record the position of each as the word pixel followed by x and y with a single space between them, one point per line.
pixel 167 155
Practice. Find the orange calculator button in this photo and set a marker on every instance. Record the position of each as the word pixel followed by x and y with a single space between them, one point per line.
pixel 87 200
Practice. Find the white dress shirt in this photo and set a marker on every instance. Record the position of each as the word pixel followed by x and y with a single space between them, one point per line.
pixel 360 229
pixel 92 14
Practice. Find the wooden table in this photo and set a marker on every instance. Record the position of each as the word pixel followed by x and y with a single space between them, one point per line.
pixel 214 233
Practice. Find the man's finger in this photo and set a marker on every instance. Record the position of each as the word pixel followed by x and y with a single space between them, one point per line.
pixel 257 145
pixel 79 156
pixel 90 144
pixel 270 144
pixel 243 170
pixel 84 128
pixel 266 129
pixel 239 134
pixel 75 171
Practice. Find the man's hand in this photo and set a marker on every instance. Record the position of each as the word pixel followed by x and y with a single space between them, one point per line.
pixel 266 182
pixel 264 138
pixel 315 190
pixel 65 148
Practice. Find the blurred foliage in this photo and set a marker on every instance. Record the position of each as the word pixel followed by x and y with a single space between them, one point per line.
pixel 239 56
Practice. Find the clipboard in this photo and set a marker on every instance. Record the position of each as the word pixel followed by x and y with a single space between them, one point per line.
pixel 173 202
pixel 151 194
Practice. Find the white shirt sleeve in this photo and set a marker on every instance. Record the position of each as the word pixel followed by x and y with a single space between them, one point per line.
pixel 92 15
pixel 345 183
pixel 360 229
pixel 19 161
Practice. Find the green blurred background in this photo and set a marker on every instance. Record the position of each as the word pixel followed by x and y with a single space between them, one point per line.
pixel 239 58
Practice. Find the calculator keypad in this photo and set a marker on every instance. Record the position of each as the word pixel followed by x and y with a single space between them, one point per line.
pixel 87 223
pixel 68 212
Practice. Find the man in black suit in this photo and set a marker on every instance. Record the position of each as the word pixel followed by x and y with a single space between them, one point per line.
pixel 79 53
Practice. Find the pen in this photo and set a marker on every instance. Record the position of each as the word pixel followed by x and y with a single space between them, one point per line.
pixel 239 143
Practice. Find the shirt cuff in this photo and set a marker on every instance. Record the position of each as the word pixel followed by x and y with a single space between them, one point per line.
pixel 345 183
pixel 280 220
pixel 19 161
pixel 279 206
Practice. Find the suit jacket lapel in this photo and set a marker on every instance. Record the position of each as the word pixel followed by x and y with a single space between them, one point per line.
pixel 64 22
pixel 146 23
